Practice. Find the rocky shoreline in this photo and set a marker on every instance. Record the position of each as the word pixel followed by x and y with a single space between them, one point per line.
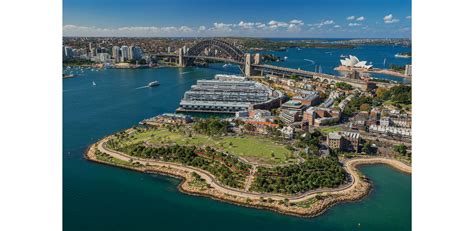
pixel 307 206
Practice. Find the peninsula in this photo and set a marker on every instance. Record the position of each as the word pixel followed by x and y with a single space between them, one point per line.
pixel 216 159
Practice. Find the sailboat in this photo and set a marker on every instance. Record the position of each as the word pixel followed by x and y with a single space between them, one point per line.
pixel 384 60
pixel 93 83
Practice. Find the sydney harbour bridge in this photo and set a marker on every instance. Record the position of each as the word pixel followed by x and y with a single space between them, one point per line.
pixel 250 64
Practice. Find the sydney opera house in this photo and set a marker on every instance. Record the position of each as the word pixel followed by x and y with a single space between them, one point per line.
pixel 353 61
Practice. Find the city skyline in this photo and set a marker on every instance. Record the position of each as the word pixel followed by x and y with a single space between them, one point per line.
pixel 324 19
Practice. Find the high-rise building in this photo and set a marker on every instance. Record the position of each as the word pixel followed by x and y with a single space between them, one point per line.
pixel 103 57
pixel 92 51
pixel 130 52
pixel 408 69
pixel 135 53
pixel 68 52
pixel 125 53
pixel 116 53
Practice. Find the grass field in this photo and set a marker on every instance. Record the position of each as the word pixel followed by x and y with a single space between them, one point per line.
pixel 327 130
pixel 252 148
pixel 401 105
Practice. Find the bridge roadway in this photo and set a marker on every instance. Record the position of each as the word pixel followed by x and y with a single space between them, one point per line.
pixel 320 77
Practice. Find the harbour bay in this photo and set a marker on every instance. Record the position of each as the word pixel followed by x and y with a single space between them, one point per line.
pixel 96 195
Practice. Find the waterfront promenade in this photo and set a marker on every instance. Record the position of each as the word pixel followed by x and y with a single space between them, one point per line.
pixel 355 189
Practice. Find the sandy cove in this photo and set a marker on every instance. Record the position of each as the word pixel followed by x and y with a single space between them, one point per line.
pixel 319 200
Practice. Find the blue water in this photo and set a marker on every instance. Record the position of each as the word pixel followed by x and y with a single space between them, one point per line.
pixel 100 197
pixel 328 58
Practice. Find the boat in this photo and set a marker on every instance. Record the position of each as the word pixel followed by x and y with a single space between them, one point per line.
pixel 403 55
pixel 93 83
pixel 153 84
pixel 343 56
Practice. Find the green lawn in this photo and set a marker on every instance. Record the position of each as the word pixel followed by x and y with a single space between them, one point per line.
pixel 250 147
pixel 327 130
pixel 403 106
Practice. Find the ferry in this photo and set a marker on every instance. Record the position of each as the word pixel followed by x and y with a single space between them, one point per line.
pixel 153 84
pixel 402 55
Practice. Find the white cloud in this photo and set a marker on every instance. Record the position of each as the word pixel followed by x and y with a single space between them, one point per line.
pixel 361 18
pixel 408 17
pixel 294 28
pixel 246 25
pixel 336 26
pixel 222 27
pixel 185 29
pixel 297 22
pixel 260 25
pixel 390 19
pixel 354 24
pixel 74 30
pixel 295 25
pixel 322 23
pixel 201 29
pixel 351 17
pixel 276 24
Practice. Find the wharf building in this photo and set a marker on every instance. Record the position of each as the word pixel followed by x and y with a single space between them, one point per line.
pixel 229 94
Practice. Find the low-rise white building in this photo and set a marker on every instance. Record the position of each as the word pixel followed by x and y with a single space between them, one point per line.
pixel 390 130
pixel 288 132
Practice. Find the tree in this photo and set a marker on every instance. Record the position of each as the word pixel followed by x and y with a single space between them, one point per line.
pixel 368 149
pixel 380 91
pixel 400 148
pixel 365 107
pixel 249 127
pixel 344 86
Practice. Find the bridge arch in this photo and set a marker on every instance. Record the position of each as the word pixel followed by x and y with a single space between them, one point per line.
pixel 231 51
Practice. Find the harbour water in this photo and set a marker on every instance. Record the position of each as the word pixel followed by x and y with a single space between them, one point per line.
pixel 326 59
pixel 100 197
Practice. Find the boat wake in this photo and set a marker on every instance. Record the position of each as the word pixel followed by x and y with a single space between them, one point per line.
pixel 309 60
pixel 141 87
pixel 186 72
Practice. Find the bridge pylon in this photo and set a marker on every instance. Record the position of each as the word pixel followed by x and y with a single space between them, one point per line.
pixel 248 65
pixel 181 58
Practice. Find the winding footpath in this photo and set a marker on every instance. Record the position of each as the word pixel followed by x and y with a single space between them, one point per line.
pixel 349 166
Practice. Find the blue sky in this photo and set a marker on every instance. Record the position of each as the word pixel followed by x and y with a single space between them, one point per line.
pixel 256 18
